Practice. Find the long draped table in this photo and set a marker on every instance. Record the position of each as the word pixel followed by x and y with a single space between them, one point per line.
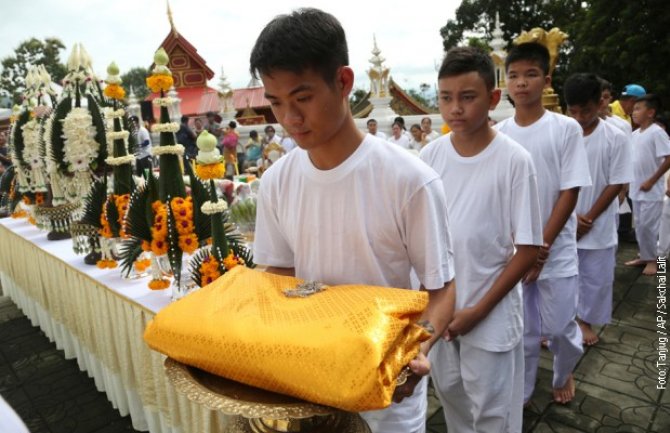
pixel 98 318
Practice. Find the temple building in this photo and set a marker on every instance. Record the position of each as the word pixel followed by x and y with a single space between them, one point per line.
pixel 190 73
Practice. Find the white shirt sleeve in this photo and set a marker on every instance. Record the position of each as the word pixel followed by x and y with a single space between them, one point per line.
pixel 427 236
pixel 574 162
pixel 661 143
pixel 270 246
pixel 525 205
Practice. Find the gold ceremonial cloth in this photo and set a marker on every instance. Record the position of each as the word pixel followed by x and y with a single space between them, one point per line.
pixel 343 347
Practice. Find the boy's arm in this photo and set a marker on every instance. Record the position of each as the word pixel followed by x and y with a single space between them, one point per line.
pixel 464 320
pixel 438 313
pixel 649 183
pixel 565 205
pixel 605 199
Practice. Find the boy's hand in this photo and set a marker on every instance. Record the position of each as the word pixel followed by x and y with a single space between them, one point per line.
pixel 462 322
pixel 534 273
pixel 584 225
pixel 646 185
pixel 420 367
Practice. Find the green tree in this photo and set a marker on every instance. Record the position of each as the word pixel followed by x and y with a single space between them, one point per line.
pixel 421 97
pixel 357 96
pixel 136 78
pixel 624 42
pixel 28 53
pixel 478 17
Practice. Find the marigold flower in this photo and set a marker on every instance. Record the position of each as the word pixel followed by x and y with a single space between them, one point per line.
pixel 159 247
pixel 210 171
pixel 114 91
pixel 230 262
pixel 159 82
pixel 159 284
pixel 142 265
pixel 188 243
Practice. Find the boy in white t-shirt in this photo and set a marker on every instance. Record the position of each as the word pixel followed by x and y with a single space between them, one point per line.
pixel 345 207
pixel 494 217
pixel 550 289
pixel 608 152
pixel 651 159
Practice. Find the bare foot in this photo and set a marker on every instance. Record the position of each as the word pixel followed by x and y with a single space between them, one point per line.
pixel 589 336
pixel 566 393
pixel 636 262
pixel 650 269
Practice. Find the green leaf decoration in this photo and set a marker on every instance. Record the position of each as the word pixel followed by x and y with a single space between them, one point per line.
pixel 17 139
pixel 94 202
pixel 113 218
pixel 174 252
pixel 202 223
pixel 57 154
pixel 137 224
pixel 130 250
pixel 171 180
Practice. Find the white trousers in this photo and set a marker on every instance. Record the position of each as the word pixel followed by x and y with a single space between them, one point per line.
pixel 408 416
pixel 480 391
pixel 647 216
pixel 596 280
pixel 550 307
pixel 664 230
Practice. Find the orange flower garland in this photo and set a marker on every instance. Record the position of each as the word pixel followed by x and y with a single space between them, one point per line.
pixel 159 284
pixel 106 264
pixel 114 91
pixel 182 209
pixel 121 202
pixel 209 271
pixel 142 265
pixel 158 82
pixel 210 171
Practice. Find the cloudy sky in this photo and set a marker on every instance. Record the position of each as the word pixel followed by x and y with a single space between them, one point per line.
pixel 129 31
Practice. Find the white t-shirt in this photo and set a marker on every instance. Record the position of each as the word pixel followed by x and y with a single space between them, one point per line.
pixel 609 157
pixel 142 136
pixel 556 144
pixel 650 147
pixel 380 134
pixel 493 205
pixel 288 144
pixel 620 123
pixel 433 135
pixel 369 220
pixel 402 141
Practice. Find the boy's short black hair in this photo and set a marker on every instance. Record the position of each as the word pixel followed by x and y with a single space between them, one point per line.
pixel 530 51
pixel 269 128
pixel 253 133
pixel 651 101
pixel 582 88
pixel 184 119
pixel 605 85
pixel 461 60
pixel 308 38
pixel 370 121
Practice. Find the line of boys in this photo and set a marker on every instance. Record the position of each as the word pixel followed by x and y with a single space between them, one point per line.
pixel 349 208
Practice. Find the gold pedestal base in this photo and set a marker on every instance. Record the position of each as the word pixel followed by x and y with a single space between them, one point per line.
pixel 257 410
pixel 550 101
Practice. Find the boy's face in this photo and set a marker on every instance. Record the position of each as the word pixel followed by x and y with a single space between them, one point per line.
pixel 642 114
pixel 372 128
pixel 586 115
pixel 309 109
pixel 465 102
pixel 525 82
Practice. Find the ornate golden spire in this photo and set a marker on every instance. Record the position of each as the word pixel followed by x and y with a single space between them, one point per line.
pixel 169 13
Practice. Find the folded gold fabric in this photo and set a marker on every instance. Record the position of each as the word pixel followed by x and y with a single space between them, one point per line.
pixel 342 347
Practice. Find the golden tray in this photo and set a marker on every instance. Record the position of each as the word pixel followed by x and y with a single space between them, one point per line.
pixel 257 410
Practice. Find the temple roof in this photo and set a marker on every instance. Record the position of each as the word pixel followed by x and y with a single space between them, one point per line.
pixel 402 103
pixel 250 97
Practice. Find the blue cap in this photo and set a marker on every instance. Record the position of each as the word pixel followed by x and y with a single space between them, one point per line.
pixel 633 90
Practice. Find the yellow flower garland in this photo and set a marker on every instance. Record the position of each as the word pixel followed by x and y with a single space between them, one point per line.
pixel 210 171
pixel 114 91
pixel 158 82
